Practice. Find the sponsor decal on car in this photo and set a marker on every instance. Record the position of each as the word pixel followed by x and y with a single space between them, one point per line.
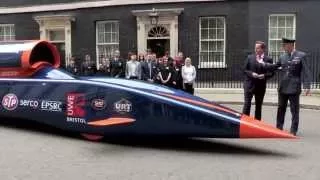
pixel 29 103
pixel 123 106
pixel 10 102
pixel 76 120
pixel 76 108
pixel 98 104
pixel 54 106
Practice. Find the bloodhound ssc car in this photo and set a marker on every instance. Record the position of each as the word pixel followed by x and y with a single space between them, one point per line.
pixel 34 88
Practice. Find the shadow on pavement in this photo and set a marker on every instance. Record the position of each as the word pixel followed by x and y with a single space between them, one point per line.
pixel 193 145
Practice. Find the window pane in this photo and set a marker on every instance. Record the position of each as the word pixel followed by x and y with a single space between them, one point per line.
pixel 282 21
pixel 108 37
pixel 204 57
pixel 220 46
pixel 212 23
pixel 106 51
pixel 281 32
pixel 220 33
pixel 218 56
pixel 273 45
pixel 220 22
pixel 107 27
pixel 114 37
pixel 273 21
pixel 101 37
pixel 204 34
pixel 289 21
pixel 212 34
pixel 56 35
pixel 1 31
pixel 204 23
pixel 273 33
pixel 212 46
pixel 289 32
pixel 204 46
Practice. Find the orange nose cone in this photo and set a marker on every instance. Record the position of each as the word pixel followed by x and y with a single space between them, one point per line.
pixel 251 128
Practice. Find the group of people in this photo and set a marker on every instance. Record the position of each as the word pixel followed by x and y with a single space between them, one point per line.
pixel 177 72
pixel 259 67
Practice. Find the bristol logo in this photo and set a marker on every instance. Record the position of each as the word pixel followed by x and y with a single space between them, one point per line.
pixel 10 102
pixel 75 105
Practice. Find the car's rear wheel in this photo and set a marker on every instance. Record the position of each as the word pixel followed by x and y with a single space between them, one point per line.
pixel 92 137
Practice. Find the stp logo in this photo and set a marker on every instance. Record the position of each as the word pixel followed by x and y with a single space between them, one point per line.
pixel 76 105
pixel 10 102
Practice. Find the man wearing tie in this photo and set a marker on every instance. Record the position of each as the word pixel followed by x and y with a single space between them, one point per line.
pixel 256 76
pixel 117 66
pixel 292 67
pixel 148 69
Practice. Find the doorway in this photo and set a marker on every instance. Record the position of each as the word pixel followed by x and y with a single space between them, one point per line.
pixel 62 52
pixel 159 46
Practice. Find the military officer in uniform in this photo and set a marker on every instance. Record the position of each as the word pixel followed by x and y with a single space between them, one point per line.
pixel 292 65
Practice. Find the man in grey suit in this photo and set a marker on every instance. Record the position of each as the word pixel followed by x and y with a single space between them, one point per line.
pixel 292 65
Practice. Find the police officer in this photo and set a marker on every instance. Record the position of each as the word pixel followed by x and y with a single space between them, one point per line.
pixel 292 65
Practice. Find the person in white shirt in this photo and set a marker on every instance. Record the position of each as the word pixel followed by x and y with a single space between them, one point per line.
pixel 188 73
pixel 133 68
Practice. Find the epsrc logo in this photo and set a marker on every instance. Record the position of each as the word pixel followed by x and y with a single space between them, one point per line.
pixel 51 106
pixel 10 102
pixel 76 105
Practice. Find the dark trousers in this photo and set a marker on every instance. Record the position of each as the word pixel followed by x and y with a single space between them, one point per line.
pixel 189 88
pixel 294 100
pixel 258 95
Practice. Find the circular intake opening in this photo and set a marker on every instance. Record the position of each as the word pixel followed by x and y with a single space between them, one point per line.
pixel 45 52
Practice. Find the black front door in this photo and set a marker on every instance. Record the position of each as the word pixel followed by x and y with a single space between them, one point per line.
pixel 159 46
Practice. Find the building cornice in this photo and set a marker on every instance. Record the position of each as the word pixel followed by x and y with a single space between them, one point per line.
pixel 88 4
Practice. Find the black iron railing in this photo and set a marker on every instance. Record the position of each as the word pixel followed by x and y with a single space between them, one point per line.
pixel 229 73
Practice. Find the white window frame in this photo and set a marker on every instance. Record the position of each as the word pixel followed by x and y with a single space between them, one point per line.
pixel 12 36
pixel 280 38
pixel 212 64
pixel 97 39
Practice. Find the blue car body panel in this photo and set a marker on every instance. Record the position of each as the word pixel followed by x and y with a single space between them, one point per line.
pixel 44 98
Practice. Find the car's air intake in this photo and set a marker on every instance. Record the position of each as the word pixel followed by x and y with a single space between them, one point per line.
pixel 23 58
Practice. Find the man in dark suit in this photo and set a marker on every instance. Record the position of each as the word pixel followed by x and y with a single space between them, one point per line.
pixel 148 69
pixel 256 76
pixel 118 66
pixel 292 66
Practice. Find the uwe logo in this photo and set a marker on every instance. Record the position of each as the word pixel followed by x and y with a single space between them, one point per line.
pixel 123 106
pixel 10 102
pixel 76 105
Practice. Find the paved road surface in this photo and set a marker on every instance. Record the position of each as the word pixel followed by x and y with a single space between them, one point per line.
pixel 49 154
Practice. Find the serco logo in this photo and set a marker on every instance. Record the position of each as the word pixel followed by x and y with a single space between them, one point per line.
pixel 10 102
pixel 29 103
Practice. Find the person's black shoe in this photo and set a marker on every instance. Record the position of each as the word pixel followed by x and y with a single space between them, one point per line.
pixel 294 133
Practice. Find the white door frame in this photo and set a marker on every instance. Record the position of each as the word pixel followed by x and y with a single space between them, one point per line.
pixel 52 22
pixel 166 17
